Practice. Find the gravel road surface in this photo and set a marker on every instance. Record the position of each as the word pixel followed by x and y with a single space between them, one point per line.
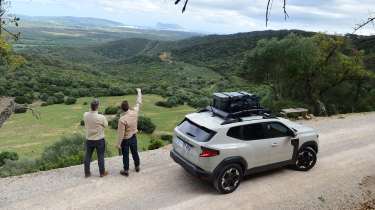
pixel 344 178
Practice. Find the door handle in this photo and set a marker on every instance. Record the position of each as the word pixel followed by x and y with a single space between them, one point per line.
pixel 274 144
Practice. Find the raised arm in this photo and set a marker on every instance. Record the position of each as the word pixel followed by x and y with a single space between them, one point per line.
pixel 139 100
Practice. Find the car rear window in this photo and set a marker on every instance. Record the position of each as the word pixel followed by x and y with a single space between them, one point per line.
pixel 196 132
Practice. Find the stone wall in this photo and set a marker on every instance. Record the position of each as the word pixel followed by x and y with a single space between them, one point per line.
pixel 7 106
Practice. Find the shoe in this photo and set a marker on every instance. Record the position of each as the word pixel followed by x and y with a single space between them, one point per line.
pixel 124 173
pixel 87 175
pixel 104 174
pixel 137 169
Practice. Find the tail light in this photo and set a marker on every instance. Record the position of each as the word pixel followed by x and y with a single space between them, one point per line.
pixel 206 152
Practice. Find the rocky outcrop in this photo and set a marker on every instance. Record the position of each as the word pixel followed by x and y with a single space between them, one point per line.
pixel 7 106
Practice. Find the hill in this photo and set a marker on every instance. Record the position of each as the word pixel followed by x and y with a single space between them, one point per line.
pixel 66 22
pixel 183 71
pixel 82 31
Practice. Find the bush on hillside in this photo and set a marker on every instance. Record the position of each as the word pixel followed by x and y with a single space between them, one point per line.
pixel 20 109
pixel 199 102
pixel 166 137
pixel 44 104
pixel 66 152
pixel 114 122
pixel 7 156
pixel 163 104
pixel 172 101
pixel 111 110
pixel 70 100
pixel 51 100
pixel 155 144
pixel 18 167
pixel 82 123
pixel 23 100
pixel 146 125
pixel 59 97
pixel 85 103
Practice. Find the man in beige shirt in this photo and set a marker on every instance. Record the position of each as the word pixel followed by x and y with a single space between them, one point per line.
pixel 95 124
pixel 127 130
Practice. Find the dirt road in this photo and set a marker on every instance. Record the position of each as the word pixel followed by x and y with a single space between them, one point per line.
pixel 343 178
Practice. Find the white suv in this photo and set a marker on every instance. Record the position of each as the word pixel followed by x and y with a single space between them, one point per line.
pixel 223 151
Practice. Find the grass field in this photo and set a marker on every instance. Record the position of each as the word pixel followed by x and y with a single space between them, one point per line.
pixel 27 135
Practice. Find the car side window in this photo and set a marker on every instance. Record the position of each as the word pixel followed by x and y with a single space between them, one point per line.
pixel 247 132
pixel 235 132
pixel 276 130
pixel 253 131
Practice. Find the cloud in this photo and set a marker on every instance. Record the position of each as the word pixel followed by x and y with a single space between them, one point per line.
pixel 230 16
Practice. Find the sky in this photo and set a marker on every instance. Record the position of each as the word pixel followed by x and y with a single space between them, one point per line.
pixel 214 16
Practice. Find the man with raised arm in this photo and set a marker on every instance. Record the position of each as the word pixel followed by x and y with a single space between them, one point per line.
pixel 95 124
pixel 127 133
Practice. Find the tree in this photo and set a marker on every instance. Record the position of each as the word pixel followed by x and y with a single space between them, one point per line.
pixel 306 68
pixel 6 19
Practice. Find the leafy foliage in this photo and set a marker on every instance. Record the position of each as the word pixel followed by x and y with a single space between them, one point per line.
pixel 146 125
pixel 111 110
pixel 7 156
pixel 155 144
pixel 66 152
pixel 312 70
pixel 18 167
pixel 70 100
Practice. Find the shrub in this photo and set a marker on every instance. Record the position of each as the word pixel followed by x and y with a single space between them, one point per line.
pixel 114 122
pixel 146 125
pixel 43 97
pixel 7 156
pixel 111 110
pixel 20 109
pixel 173 101
pixel 166 137
pixel 51 100
pixel 199 102
pixel 44 104
pixel 163 104
pixel 70 100
pixel 170 102
pixel 59 98
pixel 66 152
pixel 85 103
pixel 18 167
pixel 155 144
pixel 23 100
pixel 82 123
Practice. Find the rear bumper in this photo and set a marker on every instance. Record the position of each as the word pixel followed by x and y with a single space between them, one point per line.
pixel 190 167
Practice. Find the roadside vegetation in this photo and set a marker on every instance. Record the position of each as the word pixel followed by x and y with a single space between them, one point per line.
pixel 28 136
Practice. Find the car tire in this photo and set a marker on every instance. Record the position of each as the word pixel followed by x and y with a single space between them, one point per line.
pixel 306 159
pixel 228 178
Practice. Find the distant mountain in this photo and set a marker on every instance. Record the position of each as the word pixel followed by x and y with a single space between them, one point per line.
pixel 169 26
pixel 67 21
pixel 78 31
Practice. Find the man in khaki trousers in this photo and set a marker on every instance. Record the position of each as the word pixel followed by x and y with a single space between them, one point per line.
pixel 127 130
pixel 95 139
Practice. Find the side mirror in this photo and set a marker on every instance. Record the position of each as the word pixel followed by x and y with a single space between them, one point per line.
pixel 291 133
